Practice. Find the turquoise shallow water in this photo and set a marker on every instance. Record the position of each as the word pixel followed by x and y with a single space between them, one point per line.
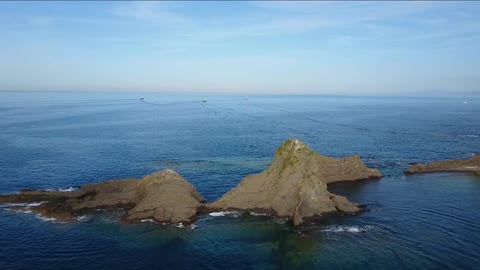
pixel 62 140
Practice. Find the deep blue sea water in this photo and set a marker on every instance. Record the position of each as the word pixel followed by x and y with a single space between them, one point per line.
pixel 62 140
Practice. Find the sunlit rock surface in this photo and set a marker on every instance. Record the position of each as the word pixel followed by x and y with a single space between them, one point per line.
pixel 295 185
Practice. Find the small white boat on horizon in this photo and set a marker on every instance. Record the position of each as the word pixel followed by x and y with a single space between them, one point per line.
pixel 204 100
pixel 141 99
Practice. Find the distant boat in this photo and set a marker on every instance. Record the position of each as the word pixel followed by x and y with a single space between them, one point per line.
pixel 465 102
pixel 141 99
pixel 204 100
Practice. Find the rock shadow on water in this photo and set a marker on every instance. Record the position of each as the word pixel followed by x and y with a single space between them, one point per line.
pixel 275 243
pixel 354 190
pixel 143 236
pixel 292 251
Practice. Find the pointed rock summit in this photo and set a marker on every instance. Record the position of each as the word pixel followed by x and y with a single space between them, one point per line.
pixel 471 165
pixel 295 185
pixel 166 197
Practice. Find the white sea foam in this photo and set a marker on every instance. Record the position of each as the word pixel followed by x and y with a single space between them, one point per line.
pixel 67 189
pixel 258 214
pixel 28 205
pixel 21 210
pixel 20 207
pixel 225 213
pixel 179 225
pixel 49 219
pixel 193 226
pixel 349 229
pixel 280 220
pixel 62 189
pixel 82 218
pixel 147 220
pixel 470 136
pixel 8 205
pixel 35 204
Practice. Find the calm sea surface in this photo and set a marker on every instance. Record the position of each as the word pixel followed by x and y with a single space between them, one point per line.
pixel 62 140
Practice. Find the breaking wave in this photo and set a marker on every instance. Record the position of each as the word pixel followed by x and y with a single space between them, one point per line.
pixel 82 218
pixel 348 229
pixel 34 204
pixel 225 213
pixel 147 220
pixel 258 214
pixel 49 219
pixel 22 210
pixel 28 205
pixel 62 189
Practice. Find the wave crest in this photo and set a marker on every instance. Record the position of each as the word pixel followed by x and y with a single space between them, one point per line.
pixel 225 213
pixel 349 229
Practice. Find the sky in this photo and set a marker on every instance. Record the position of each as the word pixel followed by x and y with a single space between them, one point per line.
pixel 334 48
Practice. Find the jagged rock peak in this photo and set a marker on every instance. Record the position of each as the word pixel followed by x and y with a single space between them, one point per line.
pixel 293 155
pixel 292 146
pixel 295 185
pixel 157 178
pixel 166 196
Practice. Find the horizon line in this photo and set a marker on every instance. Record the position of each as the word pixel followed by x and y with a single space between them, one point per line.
pixel 407 95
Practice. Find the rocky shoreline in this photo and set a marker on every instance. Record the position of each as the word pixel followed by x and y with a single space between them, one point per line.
pixel 471 165
pixel 163 196
pixel 294 186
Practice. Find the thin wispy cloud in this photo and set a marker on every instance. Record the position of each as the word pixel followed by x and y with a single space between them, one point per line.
pixel 313 46
pixel 150 12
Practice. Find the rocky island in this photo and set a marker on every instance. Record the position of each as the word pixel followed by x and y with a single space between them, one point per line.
pixel 163 196
pixel 471 165
pixel 295 185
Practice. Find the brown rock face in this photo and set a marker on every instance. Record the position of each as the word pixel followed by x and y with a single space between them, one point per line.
pixel 295 185
pixel 164 196
pixel 471 165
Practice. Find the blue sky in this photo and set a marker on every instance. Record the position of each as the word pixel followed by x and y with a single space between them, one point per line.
pixel 345 48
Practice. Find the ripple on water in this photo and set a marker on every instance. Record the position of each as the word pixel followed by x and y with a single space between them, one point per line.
pixel 424 222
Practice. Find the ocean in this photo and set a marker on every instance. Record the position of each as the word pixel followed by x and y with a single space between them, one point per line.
pixel 62 140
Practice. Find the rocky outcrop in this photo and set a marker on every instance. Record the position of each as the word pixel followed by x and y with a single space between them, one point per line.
pixel 166 197
pixel 163 196
pixel 295 185
pixel 471 165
